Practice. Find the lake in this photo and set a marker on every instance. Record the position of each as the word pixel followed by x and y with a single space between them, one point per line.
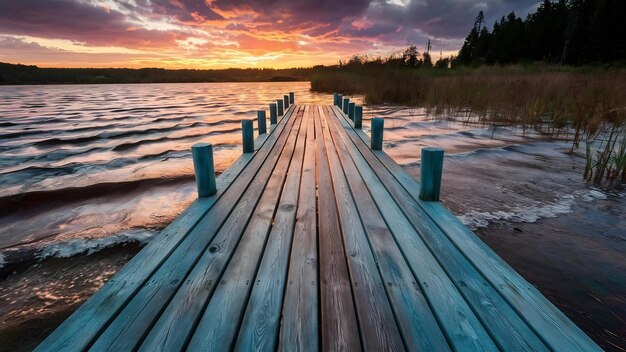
pixel 90 173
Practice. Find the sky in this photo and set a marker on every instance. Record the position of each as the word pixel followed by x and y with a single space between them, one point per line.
pixel 233 33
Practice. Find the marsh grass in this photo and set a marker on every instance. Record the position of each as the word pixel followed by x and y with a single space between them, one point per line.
pixel 588 102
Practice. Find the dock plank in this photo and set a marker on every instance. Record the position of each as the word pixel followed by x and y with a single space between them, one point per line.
pixel 376 320
pixel 134 321
pixel 505 322
pixel 218 327
pixel 339 329
pixel 299 326
pixel 259 328
pixel 417 323
pixel 462 328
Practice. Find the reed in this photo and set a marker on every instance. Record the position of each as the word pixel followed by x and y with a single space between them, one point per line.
pixel 590 102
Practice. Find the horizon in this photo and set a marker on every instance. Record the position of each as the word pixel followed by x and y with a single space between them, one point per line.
pixel 219 34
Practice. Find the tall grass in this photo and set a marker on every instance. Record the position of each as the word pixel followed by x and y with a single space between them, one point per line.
pixel 589 101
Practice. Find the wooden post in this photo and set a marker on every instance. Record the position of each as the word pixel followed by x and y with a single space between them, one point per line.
pixel 351 110
pixel 273 114
pixel 292 98
pixel 202 154
pixel 339 101
pixel 247 135
pixel 335 97
pixel 286 100
pixel 431 168
pixel 346 101
pixel 358 117
pixel 378 124
pixel 261 120
pixel 279 105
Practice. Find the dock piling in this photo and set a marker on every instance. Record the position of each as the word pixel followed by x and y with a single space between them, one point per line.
pixel 261 118
pixel 335 97
pixel 358 117
pixel 339 101
pixel 204 169
pixel 279 105
pixel 286 100
pixel 247 135
pixel 351 110
pixel 273 114
pixel 431 168
pixel 292 98
pixel 346 101
pixel 378 124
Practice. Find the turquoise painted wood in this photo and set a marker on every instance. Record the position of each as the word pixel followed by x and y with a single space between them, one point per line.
pixel 286 101
pixel 358 117
pixel 335 99
pixel 351 106
pixel 431 167
pixel 279 107
pixel 247 136
pixel 346 102
pixel 204 168
pixel 261 119
pixel 378 126
pixel 316 241
pixel 292 98
pixel 273 113
pixel 339 101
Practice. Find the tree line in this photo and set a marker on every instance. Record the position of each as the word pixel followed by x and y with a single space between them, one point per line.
pixel 569 32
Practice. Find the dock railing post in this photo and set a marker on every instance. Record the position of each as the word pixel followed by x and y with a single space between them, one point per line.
pixel 204 169
pixel 286 100
pixel 431 168
pixel 292 98
pixel 279 107
pixel 351 110
pixel 378 124
pixel 335 96
pixel 346 101
pixel 247 135
pixel 273 114
pixel 358 117
pixel 339 101
pixel 261 121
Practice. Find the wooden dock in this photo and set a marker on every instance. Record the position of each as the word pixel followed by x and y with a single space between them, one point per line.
pixel 315 241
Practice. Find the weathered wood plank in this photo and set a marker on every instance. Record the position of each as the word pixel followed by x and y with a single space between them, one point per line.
pixel 376 321
pixel 128 329
pixel 537 316
pixel 414 317
pixel 462 328
pixel 220 322
pixel 339 329
pixel 178 321
pixel 259 327
pixel 84 325
pixel 299 326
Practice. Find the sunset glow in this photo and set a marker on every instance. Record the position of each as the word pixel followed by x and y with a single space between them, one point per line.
pixel 221 33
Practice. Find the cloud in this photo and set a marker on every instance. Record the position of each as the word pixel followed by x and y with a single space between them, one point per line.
pixel 214 32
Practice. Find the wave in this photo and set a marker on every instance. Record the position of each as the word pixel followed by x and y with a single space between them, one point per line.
pixel 15 258
pixel 26 201
pixel 475 220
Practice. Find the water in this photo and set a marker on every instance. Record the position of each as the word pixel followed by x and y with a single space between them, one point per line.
pixel 88 174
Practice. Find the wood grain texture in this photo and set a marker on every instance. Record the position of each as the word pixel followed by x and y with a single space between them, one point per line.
pixel 414 318
pixel 259 328
pixel 299 326
pixel 376 321
pixel 339 329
